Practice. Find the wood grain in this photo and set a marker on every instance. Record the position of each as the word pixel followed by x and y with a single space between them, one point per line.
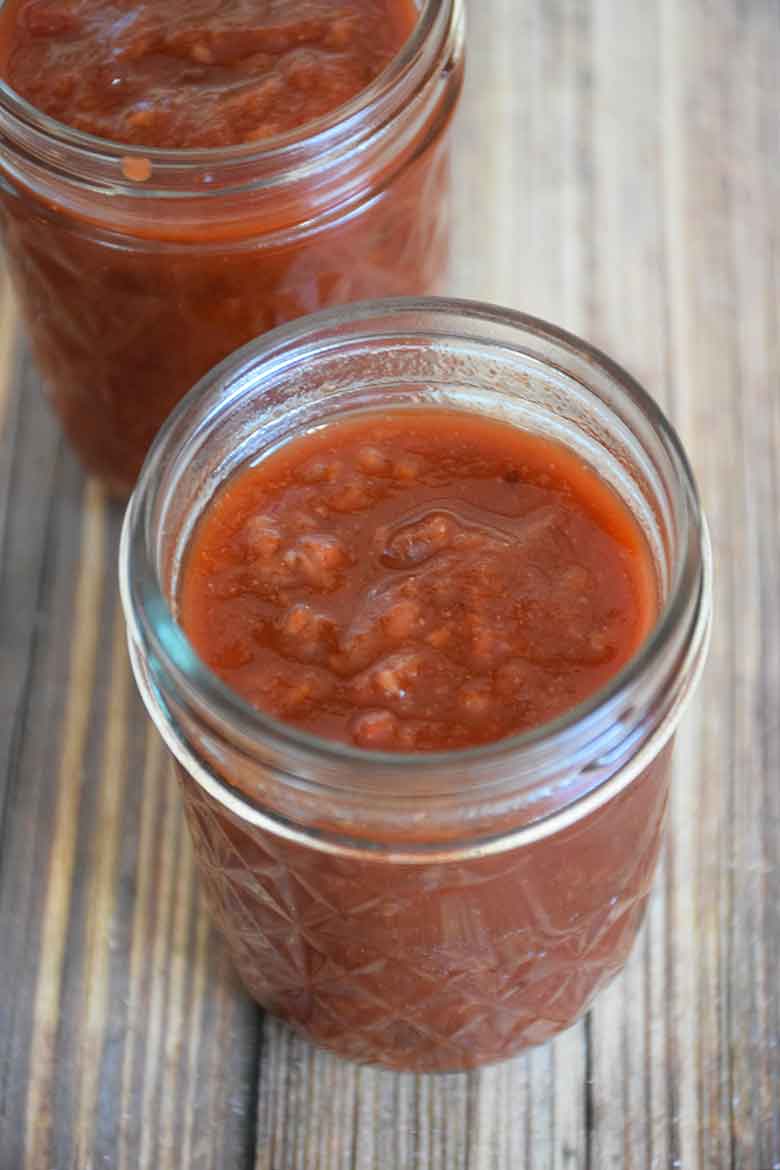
pixel 618 171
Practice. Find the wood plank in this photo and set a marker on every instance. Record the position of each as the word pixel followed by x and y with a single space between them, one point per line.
pixel 134 1045
pixel 753 183
pixel 711 906
pixel 617 170
pixel 628 318
pixel 316 1110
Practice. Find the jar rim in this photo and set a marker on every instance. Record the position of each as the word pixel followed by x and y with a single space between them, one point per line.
pixel 151 621
pixel 279 158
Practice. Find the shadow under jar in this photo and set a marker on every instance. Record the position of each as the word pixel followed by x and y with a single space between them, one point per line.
pixel 429 911
pixel 138 269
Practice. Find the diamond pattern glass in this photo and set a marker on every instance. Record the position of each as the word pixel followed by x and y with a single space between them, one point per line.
pixel 123 327
pixel 432 966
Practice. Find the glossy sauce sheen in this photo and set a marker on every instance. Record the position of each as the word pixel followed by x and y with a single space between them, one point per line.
pixel 417 581
pixel 196 74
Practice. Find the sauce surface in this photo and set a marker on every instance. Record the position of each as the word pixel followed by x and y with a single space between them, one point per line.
pixel 200 73
pixel 418 580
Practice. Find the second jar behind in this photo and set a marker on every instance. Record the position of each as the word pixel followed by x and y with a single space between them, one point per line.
pixel 139 269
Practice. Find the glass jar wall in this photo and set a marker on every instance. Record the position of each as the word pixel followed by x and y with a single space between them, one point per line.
pixel 428 911
pixel 138 269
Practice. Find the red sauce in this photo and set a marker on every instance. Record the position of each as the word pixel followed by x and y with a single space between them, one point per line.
pixel 418 580
pixel 422 578
pixel 415 580
pixel 196 74
pixel 129 300
pixel 439 965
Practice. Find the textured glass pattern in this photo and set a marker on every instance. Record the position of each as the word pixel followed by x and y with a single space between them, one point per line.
pixel 122 328
pixel 432 966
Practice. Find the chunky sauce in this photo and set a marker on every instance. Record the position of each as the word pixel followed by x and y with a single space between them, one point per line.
pixel 130 300
pixel 417 581
pixel 196 74
pixel 408 581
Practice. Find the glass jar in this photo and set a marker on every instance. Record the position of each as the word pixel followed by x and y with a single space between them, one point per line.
pixel 428 911
pixel 136 275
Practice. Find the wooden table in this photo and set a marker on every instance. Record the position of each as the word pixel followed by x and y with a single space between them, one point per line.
pixel 617 171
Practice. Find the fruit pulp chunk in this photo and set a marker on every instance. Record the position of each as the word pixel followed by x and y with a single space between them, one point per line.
pixel 418 580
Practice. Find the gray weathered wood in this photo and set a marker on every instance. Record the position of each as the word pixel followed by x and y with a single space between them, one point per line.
pixel 617 169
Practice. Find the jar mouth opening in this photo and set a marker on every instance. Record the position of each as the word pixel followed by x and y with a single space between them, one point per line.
pixel 278 152
pixel 152 623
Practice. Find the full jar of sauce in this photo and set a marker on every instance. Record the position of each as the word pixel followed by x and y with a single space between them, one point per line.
pixel 416 593
pixel 176 179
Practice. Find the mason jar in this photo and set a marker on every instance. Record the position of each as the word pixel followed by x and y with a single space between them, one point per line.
pixel 430 911
pixel 138 269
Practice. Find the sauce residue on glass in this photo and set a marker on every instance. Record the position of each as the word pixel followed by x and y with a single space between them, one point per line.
pixel 419 580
